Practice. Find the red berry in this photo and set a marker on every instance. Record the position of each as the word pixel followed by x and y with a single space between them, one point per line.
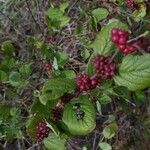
pixel 94 82
pixel 83 82
pixel 119 36
pixel 42 131
pixel 122 47
pixel 104 66
pixel 115 39
pixel 131 3
pixel 122 40
pixel 47 67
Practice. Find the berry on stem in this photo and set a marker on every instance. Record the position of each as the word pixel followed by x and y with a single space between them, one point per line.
pixel 42 131
pixel 104 66
pixel 83 82
pixel 47 67
pixel 120 38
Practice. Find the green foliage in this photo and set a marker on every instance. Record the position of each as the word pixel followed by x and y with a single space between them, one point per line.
pixel 56 19
pixel 55 88
pixel 8 48
pixel 54 142
pixel 100 13
pixel 102 44
pixel 134 72
pixel 85 54
pixel 139 13
pixel 110 130
pixel 105 146
pixel 75 125
pixel 32 123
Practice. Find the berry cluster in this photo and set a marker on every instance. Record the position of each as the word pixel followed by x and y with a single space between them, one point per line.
pixel 131 3
pixel 120 38
pixel 47 67
pixel 104 66
pixel 84 82
pixel 57 113
pixel 42 131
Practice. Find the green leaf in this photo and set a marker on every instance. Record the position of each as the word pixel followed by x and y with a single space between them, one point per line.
pixel 104 99
pixel 85 54
pixel 60 84
pixel 32 123
pixel 15 79
pixel 121 91
pixel 53 142
pixel 55 88
pixel 105 146
pixel 134 72
pixel 100 13
pixel 62 58
pixel 110 119
pixel 102 44
pixel 56 19
pixel 90 69
pixel 25 71
pixel 5 111
pixel 7 64
pixel 70 74
pixel 8 48
pixel 39 108
pixel 110 130
pixel 63 6
pixel 139 13
pixel 3 76
pixel 79 124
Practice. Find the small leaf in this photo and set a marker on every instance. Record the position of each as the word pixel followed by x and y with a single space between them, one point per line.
pixel 3 76
pixel 99 109
pixel 62 58
pixel 110 130
pixel 134 72
pixel 100 13
pixel 105 146
pixel 15 78
pixel 90 69
pixel 25 71
pixel 110 119
pixel 56 19
pixel 85 54
pixel 8 48
pixel 5 111
pixel 54 142
pixel 70 74
pixel 104 99
pixel 31 125
pixel 63 6
pixel 139 13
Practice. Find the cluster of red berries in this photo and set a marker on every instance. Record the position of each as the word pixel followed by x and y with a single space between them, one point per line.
pixel 84 82
pixel 57 113
pixel 47 67
pixel 42 131
pixel 131 3
pixel 104 66
pixel 120 38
